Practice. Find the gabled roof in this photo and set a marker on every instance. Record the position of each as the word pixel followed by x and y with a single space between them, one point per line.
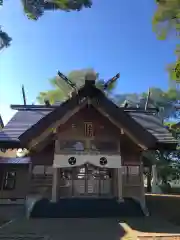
pixel 28 124
pixel 20 123
pixel 99 99
pixel 153 124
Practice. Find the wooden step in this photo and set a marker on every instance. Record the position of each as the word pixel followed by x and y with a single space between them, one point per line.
pixel 39 177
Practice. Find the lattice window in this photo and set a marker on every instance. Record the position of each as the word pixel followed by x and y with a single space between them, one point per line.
pixel 131 175
pixel 72 145
pixel 104 146
pixel 10 180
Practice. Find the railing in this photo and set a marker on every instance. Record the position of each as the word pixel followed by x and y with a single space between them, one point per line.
pixel 41 184
pixel 82 187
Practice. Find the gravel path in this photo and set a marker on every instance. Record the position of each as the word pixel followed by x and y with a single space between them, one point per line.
pixel 88 229
pixel 63 229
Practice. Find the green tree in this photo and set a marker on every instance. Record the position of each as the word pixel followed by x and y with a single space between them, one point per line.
pixel 167 163
pixel 35 9
pixel 168 166
pixel 175 130
pixel 166 22
pixel 61 90
pixel 165 101
pixel 5 40
pixel 174 68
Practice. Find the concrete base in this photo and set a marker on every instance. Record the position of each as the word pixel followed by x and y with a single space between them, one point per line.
pixel 156 189
pixel 29 203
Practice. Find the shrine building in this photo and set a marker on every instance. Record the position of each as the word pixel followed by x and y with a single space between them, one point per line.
pixel 84 147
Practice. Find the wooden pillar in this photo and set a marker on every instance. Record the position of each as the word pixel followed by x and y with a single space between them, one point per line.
pixel 2 183
pixel 115 181
pixel 119 176
pixel 55 184
pixel 30 169
pixel 119 183
pixel 154 176
pixel 143 201
pixel 155 187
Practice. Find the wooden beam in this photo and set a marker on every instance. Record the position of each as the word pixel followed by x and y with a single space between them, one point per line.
pixel 41 145
pixel 118 125
pixel 140 110
pixel 147 100
pixel 33 107
pixel 54 126
pixel 24 95
pixel 53 106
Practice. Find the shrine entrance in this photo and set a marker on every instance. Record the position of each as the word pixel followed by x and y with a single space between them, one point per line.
pixel 87 181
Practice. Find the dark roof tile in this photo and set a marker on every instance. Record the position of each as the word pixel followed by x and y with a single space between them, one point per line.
pixel 153 124
pixel 19 123
pixel 5 160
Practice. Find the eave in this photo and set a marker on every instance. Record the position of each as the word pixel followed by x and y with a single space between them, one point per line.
pixel 11 144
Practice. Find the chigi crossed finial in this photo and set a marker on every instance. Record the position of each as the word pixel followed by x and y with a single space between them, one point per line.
pixel 88 78
pixel 111 81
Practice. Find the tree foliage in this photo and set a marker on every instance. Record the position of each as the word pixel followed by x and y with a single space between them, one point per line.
pixel 168 165
pixel 166 101
pixel 61 89
pixel 35 9
pixel 166 22
pixel 5 40
pixel 174 68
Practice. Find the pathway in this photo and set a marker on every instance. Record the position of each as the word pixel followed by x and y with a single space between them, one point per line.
pixel 89 229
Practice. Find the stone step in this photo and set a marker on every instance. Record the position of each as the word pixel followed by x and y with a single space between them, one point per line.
pixel 39 177
pixel 86 207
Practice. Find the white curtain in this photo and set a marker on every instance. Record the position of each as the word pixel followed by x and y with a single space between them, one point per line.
pixel 65 161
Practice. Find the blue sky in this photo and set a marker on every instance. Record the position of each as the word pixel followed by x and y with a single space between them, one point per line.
pixel 111 37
